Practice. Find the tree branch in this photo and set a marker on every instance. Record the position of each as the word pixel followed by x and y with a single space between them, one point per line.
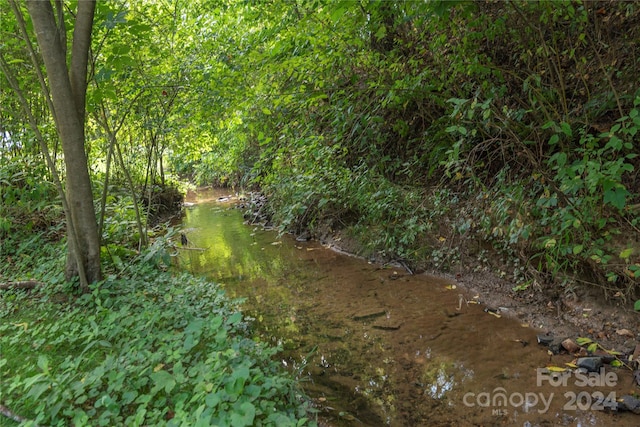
pixel 80 54
pixel 12 415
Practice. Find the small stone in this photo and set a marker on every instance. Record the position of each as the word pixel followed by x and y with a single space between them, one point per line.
pixel 334 333
pixel 629 403
pixel 570 346
pixel 636 353
pixel 387 324
pixel 555 346
pixel 545 339
pixel 591 364
pixel 625 333
pixel 369 314
pixel 303 237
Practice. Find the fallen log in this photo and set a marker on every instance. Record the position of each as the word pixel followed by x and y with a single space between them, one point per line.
pixel 12 415
pixel 191 249
pixel 26 284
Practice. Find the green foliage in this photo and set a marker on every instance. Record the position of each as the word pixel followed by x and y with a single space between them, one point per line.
pixel 505 122
pixel 151 348
pixel 596 175
pixel 581 207
pixel 306 183
pixel 507 127
pixel 120 220
pixel 27 196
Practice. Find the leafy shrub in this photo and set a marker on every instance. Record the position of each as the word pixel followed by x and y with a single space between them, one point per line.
pixel 27 197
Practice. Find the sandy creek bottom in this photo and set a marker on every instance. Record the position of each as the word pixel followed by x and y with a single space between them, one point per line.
pixel 392 348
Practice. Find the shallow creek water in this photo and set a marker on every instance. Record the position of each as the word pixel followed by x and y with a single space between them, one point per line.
pixel 390 348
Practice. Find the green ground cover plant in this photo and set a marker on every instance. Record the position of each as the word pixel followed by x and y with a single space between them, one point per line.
pixel 149 348
pixel 420 128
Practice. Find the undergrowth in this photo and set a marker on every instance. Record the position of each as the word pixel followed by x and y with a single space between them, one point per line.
pixel 151 348
pixel 504 130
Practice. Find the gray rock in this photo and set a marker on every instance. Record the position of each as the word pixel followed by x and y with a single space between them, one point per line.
pixel 591 364
pixel 370 314
pixel 629 403
pixel 545 339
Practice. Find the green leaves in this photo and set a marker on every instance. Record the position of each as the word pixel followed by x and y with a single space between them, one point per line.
pixel 616 196
pixel 162 380
pixel 127 355
pixel 626 253
pixel 43 364
pixel 243 415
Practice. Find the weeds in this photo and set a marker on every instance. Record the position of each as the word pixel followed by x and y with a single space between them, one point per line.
pixel 152 348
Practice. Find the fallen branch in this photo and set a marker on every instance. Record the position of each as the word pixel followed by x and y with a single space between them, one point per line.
pixel 12 415
pixel 26 284
pixel 191 249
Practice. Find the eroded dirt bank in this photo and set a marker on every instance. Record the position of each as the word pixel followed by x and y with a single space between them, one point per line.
pixel 582 311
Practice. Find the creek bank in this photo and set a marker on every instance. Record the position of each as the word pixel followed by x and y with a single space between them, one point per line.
pixel 408 366
pixel 568 313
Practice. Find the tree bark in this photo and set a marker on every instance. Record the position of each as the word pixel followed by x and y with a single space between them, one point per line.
pixel 68 91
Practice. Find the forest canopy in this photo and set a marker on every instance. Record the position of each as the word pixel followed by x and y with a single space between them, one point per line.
pixel 512 123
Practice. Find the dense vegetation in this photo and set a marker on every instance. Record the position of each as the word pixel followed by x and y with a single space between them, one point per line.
pixel 433 132
pixel 146 349
pixel 424 127
pixel 505 126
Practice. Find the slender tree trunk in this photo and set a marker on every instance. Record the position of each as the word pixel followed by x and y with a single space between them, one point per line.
pixel 68 91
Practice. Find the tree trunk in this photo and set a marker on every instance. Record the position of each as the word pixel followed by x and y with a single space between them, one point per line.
pixel 68 91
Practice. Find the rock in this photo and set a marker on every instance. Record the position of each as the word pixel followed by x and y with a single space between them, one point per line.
pixel 606 357
pixel 591 364
pixel 545 339
pixel 629 403
pixel 636 353
pixel 387 324
pixel 570 346
pixel 334 333
pixel 625 333
pixel 555 346
pixel 303 237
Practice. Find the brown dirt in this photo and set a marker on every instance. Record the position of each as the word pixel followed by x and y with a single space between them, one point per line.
pixel 583 311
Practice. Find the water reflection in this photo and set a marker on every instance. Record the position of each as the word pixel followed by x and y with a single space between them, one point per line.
pixel 390 348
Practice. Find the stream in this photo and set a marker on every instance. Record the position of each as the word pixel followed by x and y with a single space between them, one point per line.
pixel 376 346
